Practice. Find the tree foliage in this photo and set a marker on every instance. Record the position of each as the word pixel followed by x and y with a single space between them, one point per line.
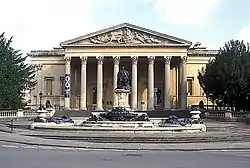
pixel 226 79
pixel 16 76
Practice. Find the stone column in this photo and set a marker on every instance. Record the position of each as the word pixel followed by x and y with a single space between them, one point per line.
pixel 83 83
pixel 99 83
pixel 134 83
pixel 167 98
pixel 183 81
pixel 151 60
pixel 116 60
pixel 67 83
pixel 40 82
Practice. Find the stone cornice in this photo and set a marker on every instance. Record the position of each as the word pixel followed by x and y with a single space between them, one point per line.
pixel 129 45
pixel 61 52
pixel 203 53
pixel 57 52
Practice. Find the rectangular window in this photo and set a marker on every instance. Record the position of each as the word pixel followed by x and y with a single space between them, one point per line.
pixel 48 85
pixel 62 86
pixel 190 82
pixel 155 96
pixel 94 100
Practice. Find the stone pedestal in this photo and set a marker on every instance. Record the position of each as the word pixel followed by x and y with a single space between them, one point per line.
pixel 122 97
pixel 195 114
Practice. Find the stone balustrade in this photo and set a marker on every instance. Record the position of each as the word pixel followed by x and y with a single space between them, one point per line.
pixel 227 115
pixel 12 114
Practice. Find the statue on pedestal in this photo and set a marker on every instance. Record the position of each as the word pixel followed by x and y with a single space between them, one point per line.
pixel 121 110
pixel 123 79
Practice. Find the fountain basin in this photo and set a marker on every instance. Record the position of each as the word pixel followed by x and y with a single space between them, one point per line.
pixel 143 127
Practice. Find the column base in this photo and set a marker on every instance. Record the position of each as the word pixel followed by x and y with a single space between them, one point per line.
pixel 83 108
pixel 99 109
pixel 67 103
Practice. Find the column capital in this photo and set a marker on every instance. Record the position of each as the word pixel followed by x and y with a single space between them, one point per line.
pixel 183 59
pixel 167 59
pixel 151 59
pixel 67 59
pixel 84 60
pixel 99 60
pixel 134 59
pixel 116 60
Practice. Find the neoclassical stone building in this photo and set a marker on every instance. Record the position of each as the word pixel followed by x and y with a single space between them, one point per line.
pixel 82 74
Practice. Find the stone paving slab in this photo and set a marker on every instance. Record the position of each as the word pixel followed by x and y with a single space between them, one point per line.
pixel 108 134
pixel 15 138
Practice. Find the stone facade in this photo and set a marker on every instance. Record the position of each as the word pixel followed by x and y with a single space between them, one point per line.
pixel 82 74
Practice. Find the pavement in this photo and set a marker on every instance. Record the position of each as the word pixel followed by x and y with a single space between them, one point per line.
pixel 35 141
pixel 26 156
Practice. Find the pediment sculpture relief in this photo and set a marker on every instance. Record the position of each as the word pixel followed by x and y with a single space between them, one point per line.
pixel 125 36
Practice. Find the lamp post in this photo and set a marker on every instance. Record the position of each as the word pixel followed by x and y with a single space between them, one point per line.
pixel 207 96
pixel 40 99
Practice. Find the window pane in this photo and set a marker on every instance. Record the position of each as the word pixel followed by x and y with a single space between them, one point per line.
pixel 49 86
pixel 62 86
pixel 94 95
pixel 190 86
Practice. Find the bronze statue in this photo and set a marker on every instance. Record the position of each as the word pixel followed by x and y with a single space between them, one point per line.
pixel 123 79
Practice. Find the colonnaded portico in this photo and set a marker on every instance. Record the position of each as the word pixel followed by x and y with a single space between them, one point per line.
pixel 83 73
pixel 106 81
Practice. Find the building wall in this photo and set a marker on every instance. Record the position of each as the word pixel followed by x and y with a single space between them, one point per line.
pixel 48 67
pixel 54 67
pixel 196 63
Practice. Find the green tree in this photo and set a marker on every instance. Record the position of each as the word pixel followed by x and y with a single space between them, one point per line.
pixel 16 76
pixel 226 79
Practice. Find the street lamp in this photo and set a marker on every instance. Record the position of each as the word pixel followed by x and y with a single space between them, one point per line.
pixel 40 99
pixel 207 96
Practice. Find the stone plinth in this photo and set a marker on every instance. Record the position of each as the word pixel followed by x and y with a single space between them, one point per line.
pixel 195 114
pixel 122 98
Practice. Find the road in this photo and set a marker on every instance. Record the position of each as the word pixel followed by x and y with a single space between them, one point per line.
pixel 23 156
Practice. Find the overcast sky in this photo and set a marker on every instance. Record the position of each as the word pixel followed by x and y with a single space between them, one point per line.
pixel 43 24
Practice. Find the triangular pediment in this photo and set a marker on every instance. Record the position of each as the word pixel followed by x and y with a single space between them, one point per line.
pixel 125 34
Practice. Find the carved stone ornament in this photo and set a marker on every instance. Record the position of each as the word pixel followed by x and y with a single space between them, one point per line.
pixel 99 60
pixel 84 60
pixel 151 59
pixel 116 60
pixel 134 59
pixel 183 59
pixel 167 59
pixel 39 67
pixel 67 59
pixel 125 36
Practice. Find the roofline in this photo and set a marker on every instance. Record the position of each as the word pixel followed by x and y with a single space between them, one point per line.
pixel 102 31
pixel 56 52
pixel 203 52
pixel 158 33
pixel 127 45
pixel 200 53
